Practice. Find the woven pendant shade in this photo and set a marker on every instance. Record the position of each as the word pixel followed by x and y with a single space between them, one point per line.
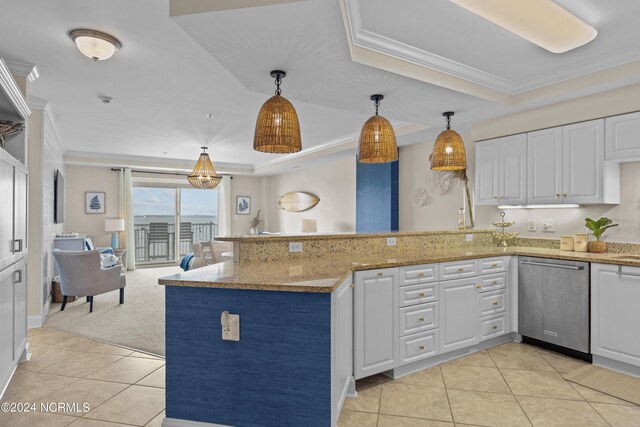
pixel 277 127
pixel 377 139
pixel 204 176
pixel 448 150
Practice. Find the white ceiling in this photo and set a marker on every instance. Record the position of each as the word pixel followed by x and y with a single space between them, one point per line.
pixel 172 71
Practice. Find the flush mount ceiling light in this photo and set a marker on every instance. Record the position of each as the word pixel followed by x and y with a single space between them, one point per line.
pixel 542 22
pixel 204 176
pixel 448 150
pixel 277 127
pixel 95 44
pixel 377 138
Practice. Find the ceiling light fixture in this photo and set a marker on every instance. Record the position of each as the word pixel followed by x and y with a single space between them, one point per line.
pixel 542 22
pixel 448 150
pixel 277 127
pixel 204 176
pixel 377 139
pixel 95 44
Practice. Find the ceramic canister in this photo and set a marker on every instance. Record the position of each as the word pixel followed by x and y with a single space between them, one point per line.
pixel 566 243
pixel 581 243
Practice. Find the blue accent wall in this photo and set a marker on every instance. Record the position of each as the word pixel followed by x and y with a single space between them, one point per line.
pixel 376 197
pixel 278 374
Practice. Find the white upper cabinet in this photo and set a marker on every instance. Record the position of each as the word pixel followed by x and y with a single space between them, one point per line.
pixel 623 137
pixel 487 172
pixel 544 166
pixel 501 171
pixel 586 178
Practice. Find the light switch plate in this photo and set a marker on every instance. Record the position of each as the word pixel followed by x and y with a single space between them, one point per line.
pixel 548 226
pixel 469 237
pixel 392 241
pixel 532 225
pixel 295 246
pixel 230 326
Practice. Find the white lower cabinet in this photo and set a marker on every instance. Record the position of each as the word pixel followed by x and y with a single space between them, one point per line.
pixel 493 326
pixel 418 346
pixel 375 321
pixel 13 319
pixel 459 315
pixel 341 346
pixel 615 317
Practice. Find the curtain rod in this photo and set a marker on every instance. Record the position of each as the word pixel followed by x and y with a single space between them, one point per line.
pixel 158 173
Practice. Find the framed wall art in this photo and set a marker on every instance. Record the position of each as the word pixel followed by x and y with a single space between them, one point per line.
pixel 94 202
pixel 243 205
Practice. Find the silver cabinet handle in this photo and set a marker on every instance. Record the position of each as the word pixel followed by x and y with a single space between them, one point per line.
pixel 19 242
pixel 542 264
pixel 17 276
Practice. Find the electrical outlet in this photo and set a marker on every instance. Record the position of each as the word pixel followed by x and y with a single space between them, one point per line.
pixel 548 226
pixel 392 241
pixel 532 225
pixel 469 237
pixel 295 246
pixel 230 326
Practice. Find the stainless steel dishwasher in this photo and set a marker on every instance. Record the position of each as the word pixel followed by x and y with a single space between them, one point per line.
pixel 553 302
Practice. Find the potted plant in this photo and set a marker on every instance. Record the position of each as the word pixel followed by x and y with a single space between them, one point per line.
pixel 597 228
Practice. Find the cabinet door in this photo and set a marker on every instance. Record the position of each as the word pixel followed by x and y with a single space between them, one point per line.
pixel 622 141
pixel 19 308
pixel 513 170
pixel 6 213
pixel 375 321
pixel 487 172
pixel 341 345
pixel 458 314
pixel 583 162
pixel 6 323
pixel 615 292
pixel 20 210
pixel 544 166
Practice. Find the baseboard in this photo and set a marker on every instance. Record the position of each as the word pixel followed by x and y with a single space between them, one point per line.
pixel 36 321
pixel 177 422
pixel 617 366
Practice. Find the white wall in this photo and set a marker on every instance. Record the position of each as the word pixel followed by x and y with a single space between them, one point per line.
pixel 333 181
pixel 80 179
pixel 257 188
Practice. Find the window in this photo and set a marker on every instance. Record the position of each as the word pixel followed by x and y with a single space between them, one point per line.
pixel 167 221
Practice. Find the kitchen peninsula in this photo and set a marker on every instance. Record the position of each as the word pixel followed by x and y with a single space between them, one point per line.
pixel 344 308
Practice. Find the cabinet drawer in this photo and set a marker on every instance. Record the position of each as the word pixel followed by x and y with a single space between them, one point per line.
pixel 418 318
pixel 491 283
pixel 458 269
pixel 418 346
pixel 417 294
pixel 493 326
pixel 492 302
pixel 492 265
pixel 418 274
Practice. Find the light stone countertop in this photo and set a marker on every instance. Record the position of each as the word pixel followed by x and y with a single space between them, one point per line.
pixel 325 274
pixel 346 235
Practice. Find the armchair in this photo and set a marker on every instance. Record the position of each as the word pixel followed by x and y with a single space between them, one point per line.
pixel 82 276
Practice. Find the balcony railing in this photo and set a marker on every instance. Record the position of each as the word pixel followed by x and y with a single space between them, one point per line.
pixel 155 242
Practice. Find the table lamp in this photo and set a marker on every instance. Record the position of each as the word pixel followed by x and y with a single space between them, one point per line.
pixel 114 226
pixel 309 226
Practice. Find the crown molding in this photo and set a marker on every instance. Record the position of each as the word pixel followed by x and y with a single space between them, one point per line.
pixel 23 69
pixel 12 91
pixel 79 158
pixel 358 37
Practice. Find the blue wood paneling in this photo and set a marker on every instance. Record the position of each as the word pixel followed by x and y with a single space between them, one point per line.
pixel 376 197
pixel 278 374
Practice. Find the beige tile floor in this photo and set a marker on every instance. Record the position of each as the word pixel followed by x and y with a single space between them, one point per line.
pixel 121 387
pixel 510 385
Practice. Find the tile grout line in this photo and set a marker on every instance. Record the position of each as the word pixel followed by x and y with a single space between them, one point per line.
pixel 510 389
pixel 446 391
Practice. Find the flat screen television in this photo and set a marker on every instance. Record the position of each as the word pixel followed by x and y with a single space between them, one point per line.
pixel 58 198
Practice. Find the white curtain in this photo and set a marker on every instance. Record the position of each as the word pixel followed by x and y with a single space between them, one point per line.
pixel 126 212
pixel 224 207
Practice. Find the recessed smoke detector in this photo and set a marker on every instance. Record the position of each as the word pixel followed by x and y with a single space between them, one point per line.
pixel 105 99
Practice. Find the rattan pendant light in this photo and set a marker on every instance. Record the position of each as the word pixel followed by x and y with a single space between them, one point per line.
pixel 448 151
pixel 377 139
pixel 204 176
pixel 277 127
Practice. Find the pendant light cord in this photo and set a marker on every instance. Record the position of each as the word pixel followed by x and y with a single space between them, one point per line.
pixel 448 122
pixel 377 104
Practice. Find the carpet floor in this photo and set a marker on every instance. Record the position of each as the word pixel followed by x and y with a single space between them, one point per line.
pixel 137 324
